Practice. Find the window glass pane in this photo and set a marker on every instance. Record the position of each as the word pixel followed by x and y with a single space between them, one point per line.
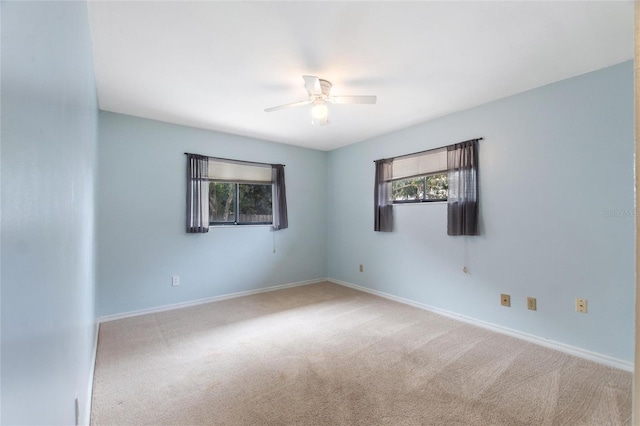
pixel 255 203
pixel 408 189
pixel 222 202
pixel 437 187
pixel 421 188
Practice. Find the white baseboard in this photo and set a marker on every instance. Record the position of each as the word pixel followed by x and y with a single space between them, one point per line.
pixel 86 415
pixel 203 301
pixel 572 350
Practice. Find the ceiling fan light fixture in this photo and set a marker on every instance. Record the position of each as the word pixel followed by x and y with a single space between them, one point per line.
pixel 319 114
pixel 319 92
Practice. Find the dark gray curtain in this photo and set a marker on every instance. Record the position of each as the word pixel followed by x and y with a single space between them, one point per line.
pixel 197 194
pixel 280 219
pixel 383 208
pixel 462 199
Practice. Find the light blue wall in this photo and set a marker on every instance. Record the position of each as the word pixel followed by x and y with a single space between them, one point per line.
pixel 49 133
pixel 556 195
pixel 556 162
pixel 142 241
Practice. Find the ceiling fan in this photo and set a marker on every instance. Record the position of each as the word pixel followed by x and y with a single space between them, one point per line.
pixel 319 95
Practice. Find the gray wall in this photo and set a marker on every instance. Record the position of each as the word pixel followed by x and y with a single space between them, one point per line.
pixel 142 241
pixel 556 202
pixel 49 133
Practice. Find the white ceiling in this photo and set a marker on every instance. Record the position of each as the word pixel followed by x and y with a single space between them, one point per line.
pixel 218 65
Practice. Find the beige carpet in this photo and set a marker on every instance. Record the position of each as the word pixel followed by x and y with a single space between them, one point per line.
pixel 323 354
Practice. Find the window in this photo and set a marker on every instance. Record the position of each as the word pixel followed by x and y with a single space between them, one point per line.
pixel 420 189
pixel 240 203
pixel 239 193
pixel 420 177
pixel 231 192
pixel 449 173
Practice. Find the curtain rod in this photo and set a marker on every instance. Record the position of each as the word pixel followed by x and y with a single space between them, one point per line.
pixel 237 161
pixel 427 150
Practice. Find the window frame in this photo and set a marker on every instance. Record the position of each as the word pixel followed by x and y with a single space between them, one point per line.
pixel 424 179
pixel 237 205
pixel 418 165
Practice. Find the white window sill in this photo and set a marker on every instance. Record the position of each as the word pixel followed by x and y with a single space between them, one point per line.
pixel 240 226
pixel 420 204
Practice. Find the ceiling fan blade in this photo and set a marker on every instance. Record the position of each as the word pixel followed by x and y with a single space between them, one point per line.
pixel 353 99
pixel 279 107
pixel 312 83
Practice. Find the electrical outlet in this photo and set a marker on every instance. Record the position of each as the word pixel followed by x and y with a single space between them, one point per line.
pixel 581 305
pixel 175 280
pixel 361 268
pixel 505 300
pixel 531 303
